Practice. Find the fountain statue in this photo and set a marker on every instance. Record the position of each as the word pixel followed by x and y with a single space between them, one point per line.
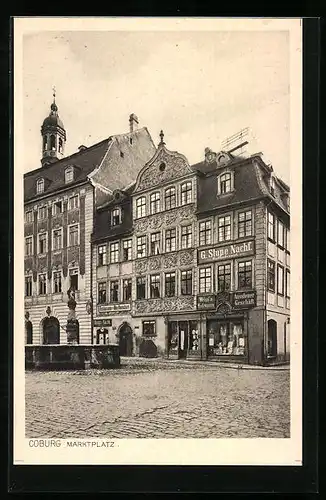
pixel 72 328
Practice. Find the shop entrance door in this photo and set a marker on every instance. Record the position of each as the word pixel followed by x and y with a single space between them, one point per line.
pixel 183 339
pixel 125 340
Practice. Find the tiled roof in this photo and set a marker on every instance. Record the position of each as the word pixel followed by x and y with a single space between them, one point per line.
pixel 102 224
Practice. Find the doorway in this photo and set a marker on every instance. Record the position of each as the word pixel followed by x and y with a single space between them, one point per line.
pixel 102 336
pixel 125 340
pixel 51 330
pixel 271 338
pixel 29 332
pixel 183 339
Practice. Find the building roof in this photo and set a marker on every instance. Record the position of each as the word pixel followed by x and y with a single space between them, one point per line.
pixel 102 225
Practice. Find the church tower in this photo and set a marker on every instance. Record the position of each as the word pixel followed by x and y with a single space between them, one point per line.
pixel 53 136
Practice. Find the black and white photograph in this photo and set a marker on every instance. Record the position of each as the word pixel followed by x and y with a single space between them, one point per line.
pixel 157 241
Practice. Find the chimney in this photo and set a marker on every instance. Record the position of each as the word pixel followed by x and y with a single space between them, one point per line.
pixel 133 122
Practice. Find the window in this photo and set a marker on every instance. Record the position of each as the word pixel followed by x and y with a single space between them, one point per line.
pixel 114 291
pixel 141 207
pixel 170 198
pixel 45 142
pixel 287 239
pixel 73 235
pixel 127 250
pixel 57 287
pixel 225 183
pixel 205 233
pixel 155 203
pixel 40 186
pixel 52 142
pixel 57 208
pixel 73 202
pixel 116 217
pixel 271 226
pixel 224 228
pixel 154 286
pixel 170 240
pixel 141 287
pixel 29 245
pixel 224 277
pixel 205 280
pixel 42 243
pixel 102 293
pixel 170 284
pixel 114 252
pixel 42 284
pixel 57 239
pixel 69 175
pixel 271 275
pixel 186 193
pixel 186 236
pixel 149 328
pixel 280 279
pixel 280 234
pixel 42 213
pixel 141 247
pixel 272 186
pixel 186 282
pixel 28 286
pixel 73 274
pixel 155 243
pixel 127 289
pixel 244 224
pixel 245 274
pixel 101 255
pixel 287 283
pixel 60 145
pixel 29 216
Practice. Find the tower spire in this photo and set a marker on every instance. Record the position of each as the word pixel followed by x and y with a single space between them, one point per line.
pixel 53 134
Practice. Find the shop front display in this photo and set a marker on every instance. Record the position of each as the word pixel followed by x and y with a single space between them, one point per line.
pixel 226 337
pixel 183 339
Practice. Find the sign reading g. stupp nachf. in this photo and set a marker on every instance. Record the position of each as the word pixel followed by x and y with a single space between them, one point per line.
pixel 233 250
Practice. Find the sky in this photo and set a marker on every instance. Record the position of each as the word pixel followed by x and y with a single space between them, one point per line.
pixel 199 87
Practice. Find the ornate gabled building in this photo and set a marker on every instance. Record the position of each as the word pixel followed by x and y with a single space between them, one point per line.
pixel 60 199
pixel 196 261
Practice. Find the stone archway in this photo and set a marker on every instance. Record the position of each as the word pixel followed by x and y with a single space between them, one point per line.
pixel 51 330
pixel 29 332
pixel 271 338
pixel 125 340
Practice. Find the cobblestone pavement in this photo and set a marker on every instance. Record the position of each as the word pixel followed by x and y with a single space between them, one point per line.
pixel 151 401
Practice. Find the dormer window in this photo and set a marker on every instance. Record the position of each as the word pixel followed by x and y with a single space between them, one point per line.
pixel 116 217
pixel 40 186
pixel 225 183
pixel 69 174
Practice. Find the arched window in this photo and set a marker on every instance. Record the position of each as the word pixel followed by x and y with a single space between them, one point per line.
pixel 40 186
pixel 225 183
pixel 45 142
pixel 69 175
pixel 60 145
pixel 52 142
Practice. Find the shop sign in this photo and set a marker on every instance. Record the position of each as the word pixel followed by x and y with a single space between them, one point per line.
pixel 206 302
pixel 243 300
pixel 100 323
pixel 234 250
pixel 106 308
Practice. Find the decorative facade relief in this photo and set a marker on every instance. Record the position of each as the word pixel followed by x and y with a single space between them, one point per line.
pixel 154 263
pixel 170 260
pixel 166 304
pixel 166 219
pixel 186 257
pixel 141 266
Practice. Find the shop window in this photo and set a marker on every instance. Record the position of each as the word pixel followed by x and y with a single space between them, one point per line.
pixel 244 224
pixel 155 286
pixel 102 293
pixel 271 275
pixel 186 282
pixel 42 284
pixel 57 284
pixel 245 274
pixel 224 277
pixel 127 250
pixel 186 236
pixel 73 274
pixel 155 243
pixel 169 284
pixel 170 240
pixel 114 291
pixel 193 343
pixel 141 287
pixel 205 233
pixel 29 245
pixel 186 193
pixel 101 254
pixel 173 335
pixel 224 228
pixel 280 280
pixel 28 286
pixel 141 247
pixel 225 338
pixel 205 280
pixel 170 198
pixel 114 252
pixel 141 207
pixel 102 336
pixel 127 289
pixel 271 227
pixel 155 203
pixel 149 328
